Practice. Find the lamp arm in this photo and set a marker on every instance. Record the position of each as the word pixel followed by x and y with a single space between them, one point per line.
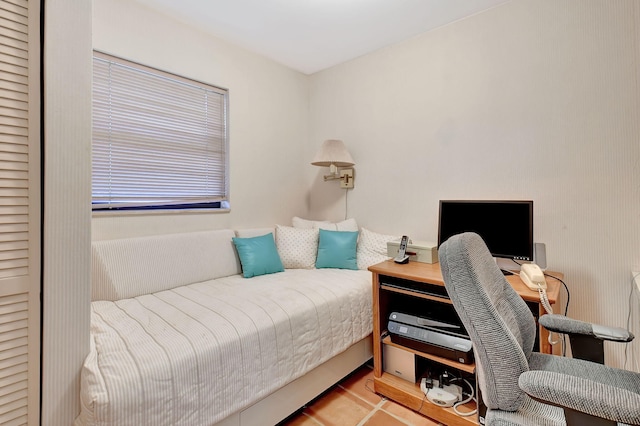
pixel 333 176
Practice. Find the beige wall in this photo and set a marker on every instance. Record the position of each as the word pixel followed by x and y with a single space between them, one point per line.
pixel 66 228
pixel 268 118
pixel 268 128
pixel 529 100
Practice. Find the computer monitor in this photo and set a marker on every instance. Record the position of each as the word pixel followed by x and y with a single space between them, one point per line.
pixel 505 226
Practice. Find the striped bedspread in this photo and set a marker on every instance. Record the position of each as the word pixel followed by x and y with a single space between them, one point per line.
pixel 196 354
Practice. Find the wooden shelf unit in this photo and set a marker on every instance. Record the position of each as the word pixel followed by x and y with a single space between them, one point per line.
pixel 403 391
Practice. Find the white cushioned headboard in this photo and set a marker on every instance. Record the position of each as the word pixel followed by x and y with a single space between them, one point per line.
pixel 131 267
pixel 255 232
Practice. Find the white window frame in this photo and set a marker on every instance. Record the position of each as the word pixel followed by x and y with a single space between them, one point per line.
pixel 160 141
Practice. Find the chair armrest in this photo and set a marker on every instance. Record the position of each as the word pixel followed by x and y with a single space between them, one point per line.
pixel 561 324
pixel 584 395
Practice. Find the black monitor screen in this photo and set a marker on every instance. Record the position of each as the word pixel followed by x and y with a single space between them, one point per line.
pixel 505 226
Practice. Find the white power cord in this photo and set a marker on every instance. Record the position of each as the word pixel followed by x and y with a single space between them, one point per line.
pixel 464 401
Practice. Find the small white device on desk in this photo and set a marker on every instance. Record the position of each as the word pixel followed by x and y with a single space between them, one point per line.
pixel 418 252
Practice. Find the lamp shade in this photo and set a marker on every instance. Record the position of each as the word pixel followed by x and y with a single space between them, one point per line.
pixel 333 152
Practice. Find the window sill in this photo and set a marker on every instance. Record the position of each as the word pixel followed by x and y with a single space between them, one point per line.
pixel 167 212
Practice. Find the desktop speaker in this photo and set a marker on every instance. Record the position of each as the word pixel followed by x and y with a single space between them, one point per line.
pixel 540 255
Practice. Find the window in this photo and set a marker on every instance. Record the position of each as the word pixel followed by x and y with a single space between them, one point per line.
pixel 159 140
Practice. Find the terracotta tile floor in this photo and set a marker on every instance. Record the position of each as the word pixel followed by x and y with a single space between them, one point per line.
pixel 353 403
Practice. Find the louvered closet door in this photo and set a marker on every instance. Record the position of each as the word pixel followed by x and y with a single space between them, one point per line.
pixel 19 212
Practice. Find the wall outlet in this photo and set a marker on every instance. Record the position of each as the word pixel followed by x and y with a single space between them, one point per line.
pixel 636 277
pixel 346 178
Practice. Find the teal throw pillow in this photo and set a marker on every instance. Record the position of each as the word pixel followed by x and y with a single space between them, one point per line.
pixel 258 255
pixel 337 249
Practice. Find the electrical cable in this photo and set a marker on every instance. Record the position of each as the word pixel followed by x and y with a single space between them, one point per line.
pixel 566 307
pixel 464 401
pixel 566 310
pixel 471 394
pixel 424 398
pixel 346 193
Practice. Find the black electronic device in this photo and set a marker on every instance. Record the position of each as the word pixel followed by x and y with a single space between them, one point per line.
pixel 506 226
pixel 431 336
pixel 402 256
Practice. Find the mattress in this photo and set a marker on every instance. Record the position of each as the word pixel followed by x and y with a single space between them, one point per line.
pixel 196 354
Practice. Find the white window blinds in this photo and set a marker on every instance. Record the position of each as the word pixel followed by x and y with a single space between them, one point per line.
pixel 159 140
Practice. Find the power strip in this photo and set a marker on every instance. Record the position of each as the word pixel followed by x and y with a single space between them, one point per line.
pixel 445 396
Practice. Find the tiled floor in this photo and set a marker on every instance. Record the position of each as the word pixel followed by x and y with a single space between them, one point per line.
pixel 353 403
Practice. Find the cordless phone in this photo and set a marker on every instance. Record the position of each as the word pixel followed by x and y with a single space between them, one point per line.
pixel 402 257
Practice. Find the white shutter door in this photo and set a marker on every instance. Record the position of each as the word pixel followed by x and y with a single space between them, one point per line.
pixel 19 212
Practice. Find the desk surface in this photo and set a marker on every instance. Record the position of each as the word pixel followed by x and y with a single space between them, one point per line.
pixel 430 273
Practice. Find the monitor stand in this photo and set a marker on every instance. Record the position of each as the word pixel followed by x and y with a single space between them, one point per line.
pixel 507 266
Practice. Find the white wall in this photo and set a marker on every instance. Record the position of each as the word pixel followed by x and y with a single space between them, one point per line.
pixel 268 127
pixel 67 211
pixel 459 112
pixel 268 119
pixel 529 100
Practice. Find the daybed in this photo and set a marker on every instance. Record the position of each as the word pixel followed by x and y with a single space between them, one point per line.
pixel 180 337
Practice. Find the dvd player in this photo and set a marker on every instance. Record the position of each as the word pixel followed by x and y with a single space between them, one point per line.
pixel 430 336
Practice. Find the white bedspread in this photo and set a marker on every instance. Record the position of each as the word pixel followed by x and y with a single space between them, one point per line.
pixel 196 354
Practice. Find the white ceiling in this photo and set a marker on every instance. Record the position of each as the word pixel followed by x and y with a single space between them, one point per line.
pixel 311 35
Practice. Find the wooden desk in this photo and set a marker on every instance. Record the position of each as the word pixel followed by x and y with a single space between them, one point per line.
pixel 407 393
pixel 430 273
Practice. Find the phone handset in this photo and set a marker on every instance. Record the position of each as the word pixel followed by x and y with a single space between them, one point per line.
pixel 533 277
pixel 402 256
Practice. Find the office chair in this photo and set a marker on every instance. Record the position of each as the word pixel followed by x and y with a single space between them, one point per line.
pixel 586 339
pixel 517 385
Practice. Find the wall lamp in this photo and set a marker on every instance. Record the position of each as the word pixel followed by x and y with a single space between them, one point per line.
pixel 334 154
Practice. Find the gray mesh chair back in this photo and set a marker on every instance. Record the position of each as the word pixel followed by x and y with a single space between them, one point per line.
pixel 498 321
pixel 502 330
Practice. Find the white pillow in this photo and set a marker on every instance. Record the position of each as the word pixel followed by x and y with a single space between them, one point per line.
pixel 298 247
pixel 346 225
pixel 298 222
pixel 372 248
pixel 254 232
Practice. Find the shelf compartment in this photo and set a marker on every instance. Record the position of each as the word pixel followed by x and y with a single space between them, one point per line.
pixel 413 294
pixel 414 287
pixel 410 395
pixel 467 368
